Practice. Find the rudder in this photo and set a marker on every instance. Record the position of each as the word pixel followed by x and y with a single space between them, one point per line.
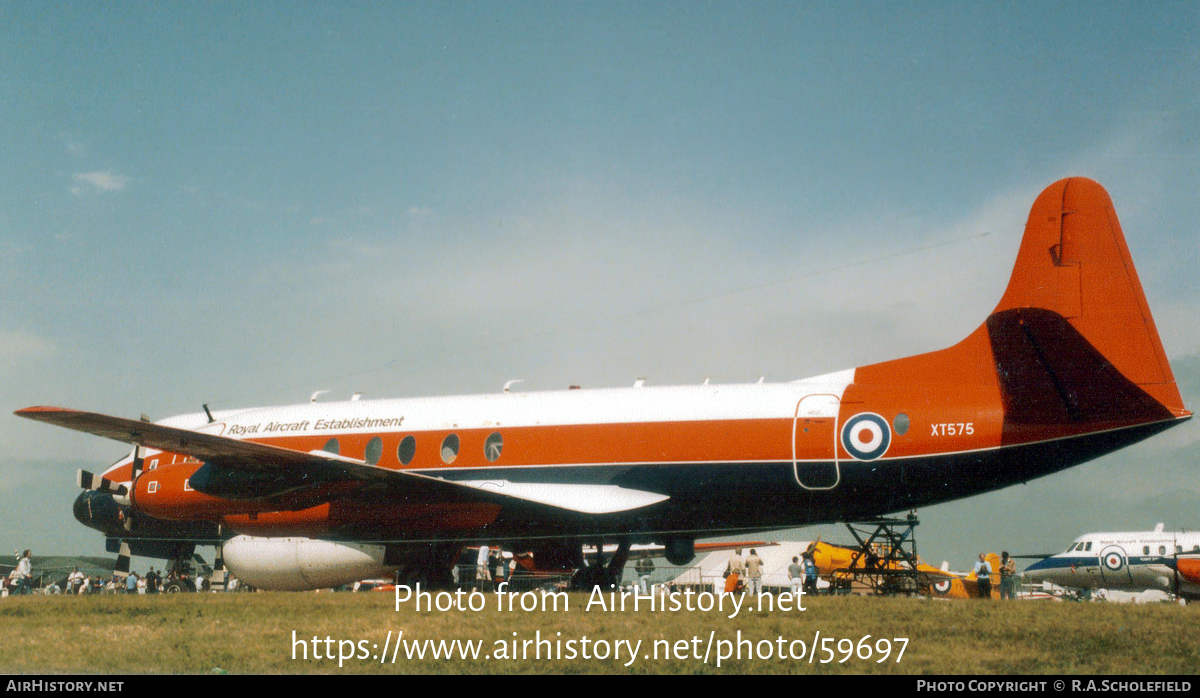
pixel 1074 263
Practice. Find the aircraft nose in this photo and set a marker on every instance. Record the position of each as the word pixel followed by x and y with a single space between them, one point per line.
pixel 1037 568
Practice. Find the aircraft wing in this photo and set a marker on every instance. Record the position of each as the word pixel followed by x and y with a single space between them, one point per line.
pixel 249 455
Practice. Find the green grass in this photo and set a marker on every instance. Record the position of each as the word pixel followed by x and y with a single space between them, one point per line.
pixel 252 633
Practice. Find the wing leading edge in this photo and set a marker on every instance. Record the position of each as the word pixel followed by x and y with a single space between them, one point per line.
pixel 253 456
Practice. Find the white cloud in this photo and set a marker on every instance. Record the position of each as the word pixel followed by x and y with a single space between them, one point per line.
pixel 98 181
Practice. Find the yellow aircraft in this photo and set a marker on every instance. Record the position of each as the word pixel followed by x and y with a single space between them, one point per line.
pixel 844 565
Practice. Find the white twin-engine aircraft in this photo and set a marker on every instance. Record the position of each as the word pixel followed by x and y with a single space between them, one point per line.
pixel 1137 561
pixel 1068 367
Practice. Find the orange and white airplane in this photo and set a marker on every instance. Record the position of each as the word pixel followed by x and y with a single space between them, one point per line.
pixel 1068 367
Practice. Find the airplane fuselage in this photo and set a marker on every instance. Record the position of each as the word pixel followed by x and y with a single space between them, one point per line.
pixel 1134 561
pixel 729 457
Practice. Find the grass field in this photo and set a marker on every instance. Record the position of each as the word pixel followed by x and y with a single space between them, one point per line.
pixel 253 633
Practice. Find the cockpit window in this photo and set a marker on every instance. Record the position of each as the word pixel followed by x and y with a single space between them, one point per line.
pixel 1088 546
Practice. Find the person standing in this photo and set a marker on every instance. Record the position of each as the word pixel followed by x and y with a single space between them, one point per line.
pixel 483 575
pixel 796 576
pixel 75 581
pixel 754 568
pixel 25 573
pixel 644 568
pixel 810 574
pixel 983 577
pixel 736 566
pixel 1008 576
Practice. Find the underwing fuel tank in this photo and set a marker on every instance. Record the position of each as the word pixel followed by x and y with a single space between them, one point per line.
pixel 301 564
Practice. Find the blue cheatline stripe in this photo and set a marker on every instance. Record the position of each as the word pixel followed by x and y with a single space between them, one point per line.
pixel 1056 563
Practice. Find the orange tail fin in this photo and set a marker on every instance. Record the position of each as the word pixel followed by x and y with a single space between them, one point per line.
pixel 1071 348
pixel 1074 263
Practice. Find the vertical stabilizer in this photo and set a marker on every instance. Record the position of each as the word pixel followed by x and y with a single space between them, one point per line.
pixel 1074 263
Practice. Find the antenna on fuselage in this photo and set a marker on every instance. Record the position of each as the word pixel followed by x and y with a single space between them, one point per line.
pixel 313 397
pixel 207 412
pixel 355 397
pixel 512 382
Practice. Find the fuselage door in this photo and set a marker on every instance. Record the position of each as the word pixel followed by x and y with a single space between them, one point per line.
pixel 814 442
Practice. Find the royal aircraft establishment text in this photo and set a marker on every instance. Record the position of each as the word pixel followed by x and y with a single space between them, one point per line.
pixel 318 425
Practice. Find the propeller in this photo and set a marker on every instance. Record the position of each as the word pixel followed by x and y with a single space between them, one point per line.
pixel 219 576
pixel 91 481
pixel 121 571
pixel 137 462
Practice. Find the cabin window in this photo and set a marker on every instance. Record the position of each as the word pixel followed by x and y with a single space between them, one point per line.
pixel 1145 550
pixel 1179 549
pixel 1162 550
pixel 374 450
pixel 152 487
pixel 154 464
pixel 900 424
pixel 493 446
pixel 406 450
pixel 450 448
pixel 331 446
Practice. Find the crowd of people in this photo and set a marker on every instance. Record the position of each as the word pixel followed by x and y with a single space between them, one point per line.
pixel 21 581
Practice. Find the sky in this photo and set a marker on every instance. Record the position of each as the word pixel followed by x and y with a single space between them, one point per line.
pixel 242 203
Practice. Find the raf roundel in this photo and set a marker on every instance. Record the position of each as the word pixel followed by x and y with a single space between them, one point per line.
pixel 1114 561
pixel 866 436
pixel 942 587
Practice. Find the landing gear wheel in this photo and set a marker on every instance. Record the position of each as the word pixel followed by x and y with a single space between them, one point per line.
pixel 589 578
pixel 412 576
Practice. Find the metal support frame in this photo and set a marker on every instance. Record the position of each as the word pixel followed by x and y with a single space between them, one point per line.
pixel 886 559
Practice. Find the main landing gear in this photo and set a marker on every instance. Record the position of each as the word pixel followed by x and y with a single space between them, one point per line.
pixel 431 566
pixel 595 572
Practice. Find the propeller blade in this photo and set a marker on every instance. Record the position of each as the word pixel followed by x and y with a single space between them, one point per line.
pixel 91 481
pixel 217 582
pixel 121 571
pixel 137 462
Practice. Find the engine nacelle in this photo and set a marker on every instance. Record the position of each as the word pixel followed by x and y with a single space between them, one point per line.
pixel 680 551
pixel 301 564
